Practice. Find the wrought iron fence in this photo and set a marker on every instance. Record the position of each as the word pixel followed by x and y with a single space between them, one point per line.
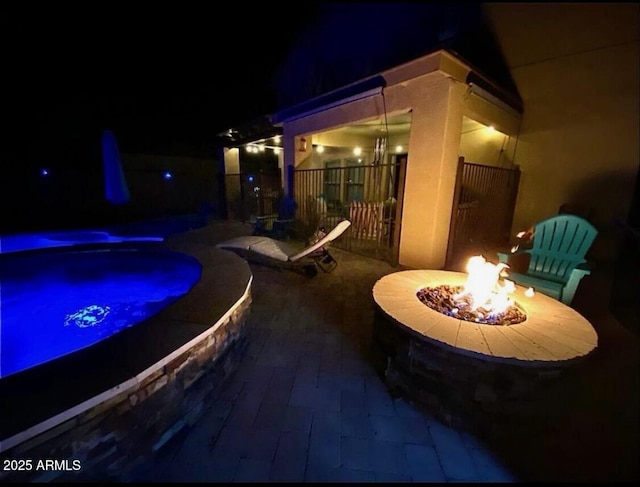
pixel 364 194
pixel 484 204
pixel 370 197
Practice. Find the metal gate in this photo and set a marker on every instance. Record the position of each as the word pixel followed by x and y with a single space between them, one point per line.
pixel 484 203
pixel 369 196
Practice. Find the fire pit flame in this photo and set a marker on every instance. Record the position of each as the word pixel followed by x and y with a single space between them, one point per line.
pixel 484 289
pixel 482 299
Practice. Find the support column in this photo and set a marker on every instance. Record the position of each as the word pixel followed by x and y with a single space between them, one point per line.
pixel 431 173
pixel 289 161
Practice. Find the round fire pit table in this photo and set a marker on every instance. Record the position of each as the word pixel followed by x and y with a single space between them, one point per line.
pixel 459 365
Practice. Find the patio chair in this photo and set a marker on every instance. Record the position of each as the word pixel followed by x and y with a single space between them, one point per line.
pixel 557 260
pixel 268 251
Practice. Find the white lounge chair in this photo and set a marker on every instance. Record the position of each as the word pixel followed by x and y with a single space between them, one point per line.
pixel 269 251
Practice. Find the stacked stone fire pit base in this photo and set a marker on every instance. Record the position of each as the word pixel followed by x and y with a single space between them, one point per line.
pixel 464 371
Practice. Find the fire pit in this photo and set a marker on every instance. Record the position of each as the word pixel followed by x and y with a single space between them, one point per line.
pixel 452 301
pixel 456 359
pixel 482 299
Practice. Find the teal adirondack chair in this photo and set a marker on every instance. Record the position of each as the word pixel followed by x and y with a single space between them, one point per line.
pixel 557 256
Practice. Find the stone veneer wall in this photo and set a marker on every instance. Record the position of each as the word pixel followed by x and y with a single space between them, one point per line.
pixel 121 434
pixel 461 390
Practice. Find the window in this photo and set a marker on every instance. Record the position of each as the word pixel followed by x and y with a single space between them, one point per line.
pixel 355 180
pixel 332 181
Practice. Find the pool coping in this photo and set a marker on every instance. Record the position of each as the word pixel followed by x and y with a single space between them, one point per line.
pixel 135 353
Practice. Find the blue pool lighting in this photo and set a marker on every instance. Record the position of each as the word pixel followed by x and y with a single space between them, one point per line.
pixel 58 302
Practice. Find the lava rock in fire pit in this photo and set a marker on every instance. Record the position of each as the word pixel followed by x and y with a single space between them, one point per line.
pixel 445 300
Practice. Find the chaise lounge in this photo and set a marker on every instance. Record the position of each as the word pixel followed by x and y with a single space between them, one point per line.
pixel 269 251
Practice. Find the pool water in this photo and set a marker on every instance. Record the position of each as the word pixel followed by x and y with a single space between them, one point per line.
pixel 144 231
pixel 21 242
pixel 54 303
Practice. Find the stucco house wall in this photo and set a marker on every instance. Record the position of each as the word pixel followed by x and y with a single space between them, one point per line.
pixel 231 160
pixel 487 147
pixel 435 90
pixel 576 69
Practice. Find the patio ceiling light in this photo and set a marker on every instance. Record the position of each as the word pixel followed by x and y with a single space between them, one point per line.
pixel 255 148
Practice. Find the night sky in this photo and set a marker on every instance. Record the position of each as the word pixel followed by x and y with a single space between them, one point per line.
pixel 168 79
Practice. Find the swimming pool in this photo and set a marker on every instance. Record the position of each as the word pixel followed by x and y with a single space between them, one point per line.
pixel 54 302
pixel 115 403
pixel 153 230
pixel 44 240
